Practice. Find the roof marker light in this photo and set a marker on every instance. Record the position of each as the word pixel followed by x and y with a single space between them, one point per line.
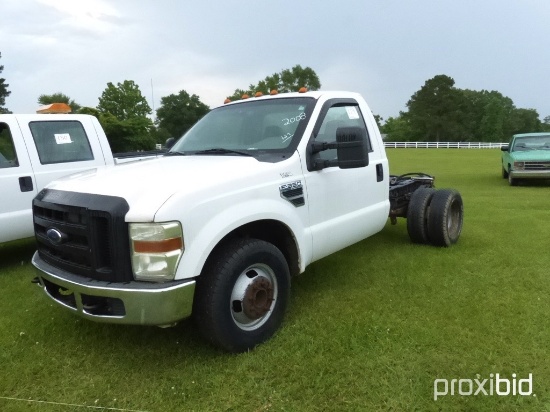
pixel 258 94
pixel 302 90
pixel 273 92
pixel 57 108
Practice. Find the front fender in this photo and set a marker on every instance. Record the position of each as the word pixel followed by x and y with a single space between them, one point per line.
pixel 202 236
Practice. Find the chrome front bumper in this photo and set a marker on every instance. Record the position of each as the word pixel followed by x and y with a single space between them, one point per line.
pixel 530 174
pixel 135 303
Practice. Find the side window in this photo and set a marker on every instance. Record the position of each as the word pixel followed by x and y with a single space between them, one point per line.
pixel 339 116
pixel 61 141
pixel 8 157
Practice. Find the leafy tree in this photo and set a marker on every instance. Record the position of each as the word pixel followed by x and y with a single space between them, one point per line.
pixel 527 120
pixel 124 101
pixel 178 112
pixel 3 92
pixel 440 111
pixel 127 135
pixel 397 129
pixel 89 110
pixel 44 99
pixel 378 119
pixel 288 80
pixel 436 111
pixel 123 115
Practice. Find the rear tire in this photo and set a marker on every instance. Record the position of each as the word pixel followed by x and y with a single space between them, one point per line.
pixel 417 215
pixel 242 294
pixel 445 218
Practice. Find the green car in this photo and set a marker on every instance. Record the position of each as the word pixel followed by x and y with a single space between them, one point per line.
pixel 526 157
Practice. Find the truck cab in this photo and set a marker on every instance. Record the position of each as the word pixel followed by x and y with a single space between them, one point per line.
pixel 36 149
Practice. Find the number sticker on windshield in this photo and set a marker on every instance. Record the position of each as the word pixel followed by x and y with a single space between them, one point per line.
pixel 286 137
pixel 352 112
pixel 290 120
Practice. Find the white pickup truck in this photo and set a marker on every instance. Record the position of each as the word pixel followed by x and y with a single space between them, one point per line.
pixel 36 149
pixel 251 195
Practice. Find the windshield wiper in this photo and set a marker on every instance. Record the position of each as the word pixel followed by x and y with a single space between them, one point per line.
pixel 175 153
pixel 221 150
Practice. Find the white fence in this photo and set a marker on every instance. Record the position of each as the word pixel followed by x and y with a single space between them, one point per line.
pixel 444 145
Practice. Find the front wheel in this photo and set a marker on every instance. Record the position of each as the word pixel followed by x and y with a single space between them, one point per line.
pixel 242 294
pixel 511 180
pixel 504 173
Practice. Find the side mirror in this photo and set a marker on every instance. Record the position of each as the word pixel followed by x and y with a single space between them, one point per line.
pixel 169 143
pixel 504 148
pixel 352 150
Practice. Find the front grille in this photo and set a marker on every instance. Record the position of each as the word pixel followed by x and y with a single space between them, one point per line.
pixel 537 165
pixel 83 234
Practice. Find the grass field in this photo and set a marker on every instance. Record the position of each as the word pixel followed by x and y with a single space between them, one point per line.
pixel 369 328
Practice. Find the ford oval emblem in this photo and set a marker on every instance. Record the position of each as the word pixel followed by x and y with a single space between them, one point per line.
pixel 55 236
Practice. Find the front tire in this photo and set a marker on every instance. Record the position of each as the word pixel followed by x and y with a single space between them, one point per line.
pixel 504 173
pixel 242 294
pixel 511 180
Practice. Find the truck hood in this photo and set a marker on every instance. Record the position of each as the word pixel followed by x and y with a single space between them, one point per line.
pixel 148 184
pixel 531 156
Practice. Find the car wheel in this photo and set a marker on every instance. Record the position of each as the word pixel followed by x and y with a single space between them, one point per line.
pixel 445 218
pixel 417 214
pixel 504 173
pixel 511 181
pixel 242 294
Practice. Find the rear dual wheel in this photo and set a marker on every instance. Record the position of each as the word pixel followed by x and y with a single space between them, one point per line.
pixel 435 217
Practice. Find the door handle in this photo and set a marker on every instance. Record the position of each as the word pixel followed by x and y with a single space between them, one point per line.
pixel 25 184
pixel 379 172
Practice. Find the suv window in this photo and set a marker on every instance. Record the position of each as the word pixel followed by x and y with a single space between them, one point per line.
pixel 61 141
pixel 346 115
pixel 8 157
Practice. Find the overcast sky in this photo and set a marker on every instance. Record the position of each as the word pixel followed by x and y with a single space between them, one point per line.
pixel 384 49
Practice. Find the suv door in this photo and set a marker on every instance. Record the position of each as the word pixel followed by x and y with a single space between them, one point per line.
pixel 345 205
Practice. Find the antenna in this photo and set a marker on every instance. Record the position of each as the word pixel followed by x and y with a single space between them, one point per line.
pixel 152 99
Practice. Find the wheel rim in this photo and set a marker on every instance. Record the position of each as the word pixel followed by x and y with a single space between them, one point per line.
pixel 453 219
pixel 253 297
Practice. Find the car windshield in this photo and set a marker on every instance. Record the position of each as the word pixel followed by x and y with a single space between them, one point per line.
pixel 522 144
pixel 250 128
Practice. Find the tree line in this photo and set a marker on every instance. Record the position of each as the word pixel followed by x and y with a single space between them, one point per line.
pixel 437 112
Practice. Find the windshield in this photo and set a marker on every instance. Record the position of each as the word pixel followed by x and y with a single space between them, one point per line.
pixel 250 128
pixel 541 142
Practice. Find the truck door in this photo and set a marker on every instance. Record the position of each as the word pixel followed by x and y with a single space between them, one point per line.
pixel 17 184
pixel 345 205
pixel 60 145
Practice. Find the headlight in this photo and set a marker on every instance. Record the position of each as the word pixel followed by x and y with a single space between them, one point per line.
pixel 519 165
pixel 156 250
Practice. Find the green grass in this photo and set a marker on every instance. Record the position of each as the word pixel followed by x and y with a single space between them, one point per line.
pixel 368 328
